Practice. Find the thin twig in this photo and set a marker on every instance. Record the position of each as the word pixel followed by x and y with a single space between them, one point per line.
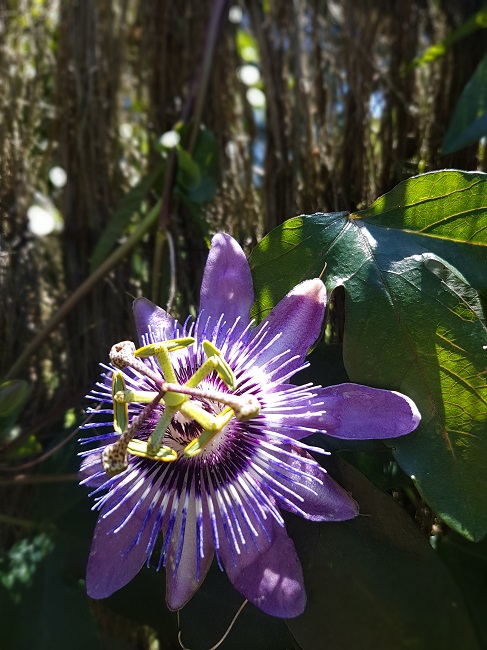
pixel 28 479
pixel 82 290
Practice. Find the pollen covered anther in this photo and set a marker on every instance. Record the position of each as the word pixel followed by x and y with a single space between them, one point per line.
pixel 122 354
pixel 114 459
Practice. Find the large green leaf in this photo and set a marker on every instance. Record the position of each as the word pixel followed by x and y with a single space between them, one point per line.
pixel 375 582
pixel 469 120
pixel 412 324
pixel 448 204
pixel 447 213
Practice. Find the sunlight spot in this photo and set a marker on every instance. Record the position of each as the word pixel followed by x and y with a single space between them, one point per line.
pixel 170 139
pixel 255 97
pixel 248 74
pixel 58 176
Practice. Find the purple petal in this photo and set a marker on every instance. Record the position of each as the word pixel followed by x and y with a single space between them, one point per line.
pixel 264 568
pixel 91 471
pixel 115 558
pixel 273 581
pixel 314 495
pixel 183 580
pixel 227 282
pixel 151 318
pixel 297 319
pixel 350 411
pixel 355 411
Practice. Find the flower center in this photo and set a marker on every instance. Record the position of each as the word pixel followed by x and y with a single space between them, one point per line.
pixel 180 402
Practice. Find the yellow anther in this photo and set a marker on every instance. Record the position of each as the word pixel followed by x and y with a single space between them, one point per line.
pixel 171 346
pixel 223 369
pixel 141 449
pixel 135 396
pixel 197 445
pixel 194 411
pixel 120 410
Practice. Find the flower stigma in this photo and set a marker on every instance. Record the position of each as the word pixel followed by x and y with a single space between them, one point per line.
pixel 181 401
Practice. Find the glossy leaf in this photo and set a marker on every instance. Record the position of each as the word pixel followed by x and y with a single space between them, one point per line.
pixel 469 120
pixel 374 581
pixel 412 324
pixel 446 212
pixel 450 205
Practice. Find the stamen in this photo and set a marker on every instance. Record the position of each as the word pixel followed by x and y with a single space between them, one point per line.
pixel 245 406
pixel 161 351
pixel 223 369
pixel 194 411
pixel 156 437
pixel 114 457
pixel 120 411
pixel 171 346
pixel 134 396
pixel 196 446
pixel 142 449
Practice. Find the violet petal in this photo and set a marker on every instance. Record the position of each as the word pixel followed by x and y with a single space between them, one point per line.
pixel 151 318
pixel 297 319
pixel 227 283
pixel 349 411
pixel 91 471
pixel 314 494
pixel 273 581
pixel 115 558
pixel 183 580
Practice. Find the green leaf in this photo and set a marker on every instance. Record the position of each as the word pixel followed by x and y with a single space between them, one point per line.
pixel 447 211
pixel 13 395
pixel 197 174
pixel 448 204
pixel 469 120
pixel 475 22
pixel 188 175
pixel 407 329
pixel 128 206
pixel 374 581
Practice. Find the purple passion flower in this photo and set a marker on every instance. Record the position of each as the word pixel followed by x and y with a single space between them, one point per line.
pixel 204 447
